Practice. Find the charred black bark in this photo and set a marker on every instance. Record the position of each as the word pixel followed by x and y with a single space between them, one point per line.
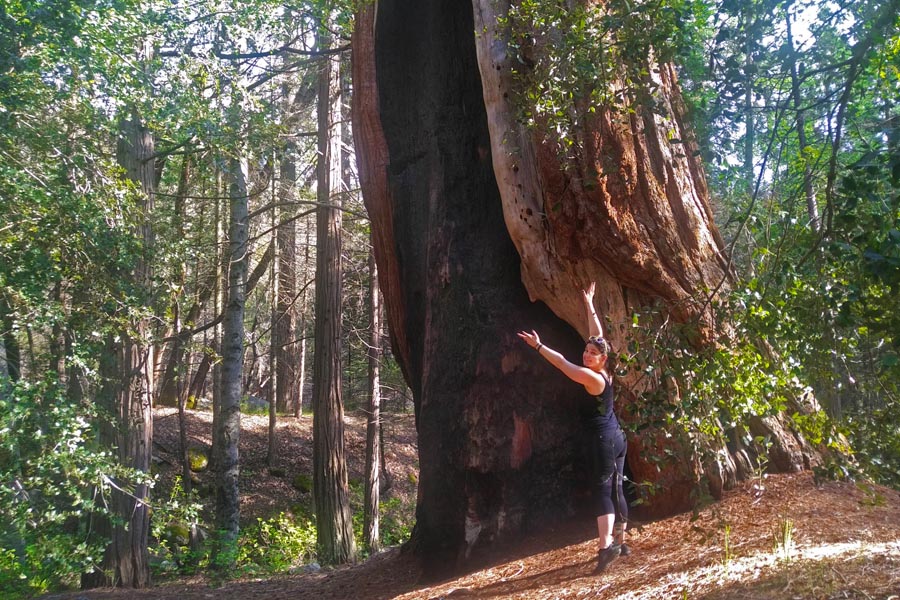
pixel 495 423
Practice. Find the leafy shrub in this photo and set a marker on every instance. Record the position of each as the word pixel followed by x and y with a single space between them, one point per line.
pixel 875 437
pixel 276 544
pixel 13 580
pixel 52 476
pixel 171 524
pixel 397 519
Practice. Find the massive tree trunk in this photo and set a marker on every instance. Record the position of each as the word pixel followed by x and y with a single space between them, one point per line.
pixel 481 231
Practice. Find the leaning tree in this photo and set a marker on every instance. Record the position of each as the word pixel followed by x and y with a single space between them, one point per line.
pixel 489 216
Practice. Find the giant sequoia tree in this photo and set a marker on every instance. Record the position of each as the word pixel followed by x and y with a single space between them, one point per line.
pixel 489 218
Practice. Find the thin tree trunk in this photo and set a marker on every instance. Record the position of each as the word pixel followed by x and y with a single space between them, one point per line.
pixel 301 375
pixel 274 354
pixel 186 481
pixel 175 384
pixel 198 382
pixel 227 434
pixel 749 125
pixel 173 355
pixel 334 524
pixel 221 297
pixel 284 345
pixel 373 425
pixel 812 208
pixel 11 354
pixel 302 327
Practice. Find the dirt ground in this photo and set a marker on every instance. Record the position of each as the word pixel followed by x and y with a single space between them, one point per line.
pixel 780 538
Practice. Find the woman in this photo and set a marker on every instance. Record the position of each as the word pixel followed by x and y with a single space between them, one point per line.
pixel 608 439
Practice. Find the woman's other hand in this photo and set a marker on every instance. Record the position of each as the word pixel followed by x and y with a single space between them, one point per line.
pixel 532 339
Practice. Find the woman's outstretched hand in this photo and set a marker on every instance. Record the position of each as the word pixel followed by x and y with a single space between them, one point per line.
pixel 532 339
pixel 589 294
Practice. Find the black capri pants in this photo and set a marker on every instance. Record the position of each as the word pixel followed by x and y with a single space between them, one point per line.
pixel 608 449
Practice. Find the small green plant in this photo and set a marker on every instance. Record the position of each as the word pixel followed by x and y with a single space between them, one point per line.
pixel 873 497
pixel 727 554
pixel 224 560
pixel 396 518
pixel 783 539
pixel 762 460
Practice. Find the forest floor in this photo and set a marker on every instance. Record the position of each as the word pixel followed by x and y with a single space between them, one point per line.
pixel 781 537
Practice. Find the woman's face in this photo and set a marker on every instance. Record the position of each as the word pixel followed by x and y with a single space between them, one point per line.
pixel 592 358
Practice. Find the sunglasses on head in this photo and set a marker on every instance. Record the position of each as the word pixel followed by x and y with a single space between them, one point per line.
pixel 600 342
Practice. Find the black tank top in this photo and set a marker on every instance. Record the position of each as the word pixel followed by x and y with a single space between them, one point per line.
pixel 604 416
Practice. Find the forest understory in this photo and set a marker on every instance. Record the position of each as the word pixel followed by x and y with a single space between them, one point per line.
pixel 777 537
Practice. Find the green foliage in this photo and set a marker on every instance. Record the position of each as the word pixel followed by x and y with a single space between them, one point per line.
pixel 720 385
pixel 277 544
pixel 725 385
pixel 55 480
pixel 823 300
pixel 223 557
pixel 14 582
pixel 875 438
pixel 574 59
pixel 268 546
pixel 171 524
pixel 302 482
pixel 397 519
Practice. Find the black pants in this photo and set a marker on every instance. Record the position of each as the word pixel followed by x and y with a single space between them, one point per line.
pixel 609 447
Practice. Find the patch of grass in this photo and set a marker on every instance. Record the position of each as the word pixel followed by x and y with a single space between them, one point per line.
pixel 783 539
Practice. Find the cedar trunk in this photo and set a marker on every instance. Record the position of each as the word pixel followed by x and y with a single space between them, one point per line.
pixel 126 368
pixel 480 231
pixel 331 488
pixel 284 345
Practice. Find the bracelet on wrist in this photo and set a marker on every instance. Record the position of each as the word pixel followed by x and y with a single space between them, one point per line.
pixel 538 347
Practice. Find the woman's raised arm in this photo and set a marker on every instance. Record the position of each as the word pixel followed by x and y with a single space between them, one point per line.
pixel 595 329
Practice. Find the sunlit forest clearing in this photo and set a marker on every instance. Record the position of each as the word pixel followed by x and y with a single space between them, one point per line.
pixel 328 299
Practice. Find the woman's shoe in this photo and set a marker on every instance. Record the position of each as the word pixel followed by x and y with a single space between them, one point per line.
pixel 606 557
